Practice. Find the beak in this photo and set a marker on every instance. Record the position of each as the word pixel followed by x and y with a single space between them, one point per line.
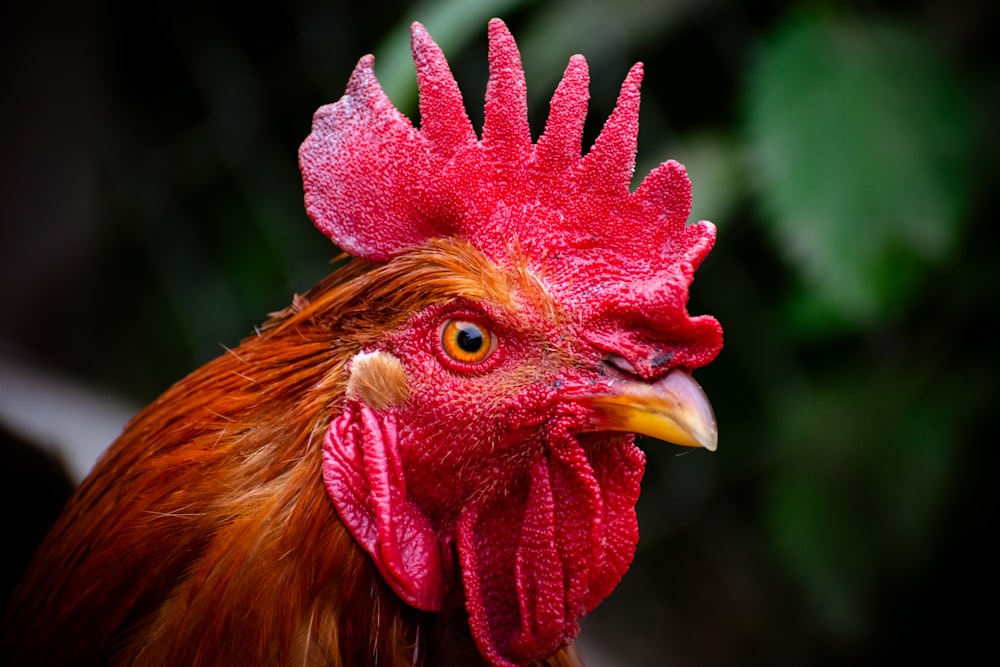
pixel 674 409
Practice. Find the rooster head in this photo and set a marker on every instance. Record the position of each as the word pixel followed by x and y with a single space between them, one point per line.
pixel 528 316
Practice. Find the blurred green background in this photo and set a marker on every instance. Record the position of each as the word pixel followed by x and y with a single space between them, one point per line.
pixel 152 211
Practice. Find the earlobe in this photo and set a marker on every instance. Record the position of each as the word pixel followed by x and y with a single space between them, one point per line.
pixel 378 379
pixel 363 475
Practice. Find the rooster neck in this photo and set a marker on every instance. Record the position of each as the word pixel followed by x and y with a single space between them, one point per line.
pixel 205 535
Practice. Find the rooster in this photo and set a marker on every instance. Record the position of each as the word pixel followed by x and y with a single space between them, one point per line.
pixel 428 458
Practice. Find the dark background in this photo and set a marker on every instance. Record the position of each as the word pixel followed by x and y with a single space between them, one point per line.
pixel 151 211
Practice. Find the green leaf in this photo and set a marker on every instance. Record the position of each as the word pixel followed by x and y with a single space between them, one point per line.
pixel 860 140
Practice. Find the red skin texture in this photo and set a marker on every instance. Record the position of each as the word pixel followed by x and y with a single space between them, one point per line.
pixel 484 473
pixel 489 473
pixel 204 535
pixel 620 260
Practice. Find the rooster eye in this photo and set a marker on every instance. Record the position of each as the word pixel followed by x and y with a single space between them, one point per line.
pixel 467 342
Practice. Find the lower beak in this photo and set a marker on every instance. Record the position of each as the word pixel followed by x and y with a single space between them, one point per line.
pixel 674 409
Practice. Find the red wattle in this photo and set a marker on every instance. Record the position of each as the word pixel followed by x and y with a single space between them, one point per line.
pixel 529 578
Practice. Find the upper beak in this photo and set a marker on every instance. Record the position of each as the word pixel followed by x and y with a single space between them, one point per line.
pixel 674 408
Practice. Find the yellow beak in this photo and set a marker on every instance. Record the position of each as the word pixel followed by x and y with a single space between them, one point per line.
pixel 674 409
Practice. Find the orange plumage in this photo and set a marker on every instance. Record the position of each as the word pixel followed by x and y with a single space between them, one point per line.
pixel 210 512
pixel 429 458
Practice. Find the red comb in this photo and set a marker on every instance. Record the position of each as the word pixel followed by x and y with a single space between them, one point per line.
pixel 621 260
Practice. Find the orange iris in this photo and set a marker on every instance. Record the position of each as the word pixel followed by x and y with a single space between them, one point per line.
pixel 467 342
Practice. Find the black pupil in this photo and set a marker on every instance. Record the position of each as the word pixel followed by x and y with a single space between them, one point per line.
pixel 470 338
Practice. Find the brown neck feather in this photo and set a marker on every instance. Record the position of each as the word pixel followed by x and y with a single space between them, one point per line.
pixel 205 535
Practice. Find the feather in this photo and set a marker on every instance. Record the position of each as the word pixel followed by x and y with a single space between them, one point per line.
pixel 429 458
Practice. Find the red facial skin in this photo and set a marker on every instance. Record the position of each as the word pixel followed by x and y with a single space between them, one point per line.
pixel 490 472
pixel 491 468
pixel 505 484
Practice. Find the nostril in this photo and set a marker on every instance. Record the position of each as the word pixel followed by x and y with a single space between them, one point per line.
pixel 660 360
pixel 645 370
